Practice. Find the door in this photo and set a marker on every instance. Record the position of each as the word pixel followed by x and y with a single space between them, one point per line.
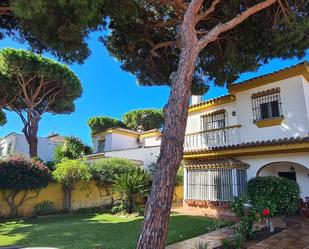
pixel 288 175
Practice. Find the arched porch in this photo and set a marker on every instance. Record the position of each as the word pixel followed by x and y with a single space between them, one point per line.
pixel 294 171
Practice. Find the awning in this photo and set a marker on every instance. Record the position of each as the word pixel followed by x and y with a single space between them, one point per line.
pixel 215 163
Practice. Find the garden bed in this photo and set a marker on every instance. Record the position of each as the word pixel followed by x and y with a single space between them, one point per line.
pixel 257 236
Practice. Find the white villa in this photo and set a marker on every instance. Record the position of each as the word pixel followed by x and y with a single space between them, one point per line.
pixel 14 143
pixel 143 147
pixel 260 128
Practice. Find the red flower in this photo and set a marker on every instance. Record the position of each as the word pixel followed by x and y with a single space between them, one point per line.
pixel 266 212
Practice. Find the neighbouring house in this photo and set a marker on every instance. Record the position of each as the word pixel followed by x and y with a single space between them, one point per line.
pixel 142 147
pixel 260 128
pixel 15 143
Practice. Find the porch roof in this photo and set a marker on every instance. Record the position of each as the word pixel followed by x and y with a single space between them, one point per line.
pixel 215 163
pixel 292 144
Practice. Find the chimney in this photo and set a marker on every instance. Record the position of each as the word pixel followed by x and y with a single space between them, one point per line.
pixel 196 99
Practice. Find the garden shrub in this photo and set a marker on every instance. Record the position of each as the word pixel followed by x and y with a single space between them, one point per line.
pixel 69 173
pixel 247 217
pixel 106 170
pixel 72 148
pixel 130 185
pixel 44 207
pixel 19 175
pixel 278 194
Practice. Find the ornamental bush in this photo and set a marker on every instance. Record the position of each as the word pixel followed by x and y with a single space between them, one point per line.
pixel 106 170
pixel 129 185
pixel 19 173
pixel 278 194
pixel 19 176
pixel 72 148
pixel 69 173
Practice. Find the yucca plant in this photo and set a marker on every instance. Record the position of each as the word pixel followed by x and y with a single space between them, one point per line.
pixel 130 184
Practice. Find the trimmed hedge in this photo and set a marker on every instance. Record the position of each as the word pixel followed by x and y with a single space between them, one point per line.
pixel 278 194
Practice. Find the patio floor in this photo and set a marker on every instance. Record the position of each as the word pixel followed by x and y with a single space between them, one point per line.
pixel 296 236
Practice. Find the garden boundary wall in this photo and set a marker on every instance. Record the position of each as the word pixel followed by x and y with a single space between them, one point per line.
pixel 82 197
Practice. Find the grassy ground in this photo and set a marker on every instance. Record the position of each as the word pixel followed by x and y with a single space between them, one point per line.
pixel 84 231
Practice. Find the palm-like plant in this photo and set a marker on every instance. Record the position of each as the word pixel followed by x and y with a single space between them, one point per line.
pixel 130 184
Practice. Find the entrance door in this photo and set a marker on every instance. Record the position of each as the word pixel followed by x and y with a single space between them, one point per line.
pixel 288 175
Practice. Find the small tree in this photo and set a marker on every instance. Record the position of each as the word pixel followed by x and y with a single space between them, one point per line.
pixel 31 85
pixel 146 119
pixel 278 194
pixel 69 173
pixel 106 170
pixel 72 148
pixel 2 118
pixel 98 124
pixel 19 176
pixel 130 185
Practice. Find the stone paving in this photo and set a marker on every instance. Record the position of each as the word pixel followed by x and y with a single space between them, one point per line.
pixel 213 240
pixel 294 237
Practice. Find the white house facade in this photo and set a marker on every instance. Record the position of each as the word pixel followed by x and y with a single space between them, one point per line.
pixel 15 143
pixel 143 147
pixel 260 128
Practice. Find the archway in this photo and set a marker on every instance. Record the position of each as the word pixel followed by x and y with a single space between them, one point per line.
pixel 291 170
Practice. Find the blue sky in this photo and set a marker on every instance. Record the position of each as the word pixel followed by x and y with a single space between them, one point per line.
pixel 111 92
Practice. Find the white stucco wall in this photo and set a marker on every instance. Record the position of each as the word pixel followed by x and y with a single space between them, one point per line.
pixel 115 141
pixel 120 142
pixel 258 162
pixel 294 110
pixel 194 118
pixel 306 94
pixel 19 145
pixel 151 141
pixel 147 155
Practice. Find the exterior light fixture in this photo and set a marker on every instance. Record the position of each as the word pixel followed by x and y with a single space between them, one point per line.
pixel 233 113
pixel 292 169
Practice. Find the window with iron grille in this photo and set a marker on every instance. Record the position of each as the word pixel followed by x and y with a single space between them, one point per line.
pixel 215 184
pixel 266 105
pixel 215 120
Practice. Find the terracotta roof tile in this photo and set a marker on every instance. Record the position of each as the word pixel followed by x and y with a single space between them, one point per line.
pixel 274 142
pixel 301 64
pixel 215 163
pixel 210 101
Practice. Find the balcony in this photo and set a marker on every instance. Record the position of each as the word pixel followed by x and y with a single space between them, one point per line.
pixel 212 138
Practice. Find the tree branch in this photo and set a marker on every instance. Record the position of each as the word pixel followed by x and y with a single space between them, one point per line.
pixel 207 12
pixel 213 34
pixel 5 11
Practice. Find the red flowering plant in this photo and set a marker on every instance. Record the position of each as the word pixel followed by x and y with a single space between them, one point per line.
pixel 266 212
pixel 21 179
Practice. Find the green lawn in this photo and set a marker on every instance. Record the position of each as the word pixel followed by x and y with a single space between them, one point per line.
pixel 84 231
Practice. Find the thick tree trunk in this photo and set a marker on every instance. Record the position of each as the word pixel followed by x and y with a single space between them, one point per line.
pixel 33 146
pixel 30 131
pixel 155 225
pixel 67 195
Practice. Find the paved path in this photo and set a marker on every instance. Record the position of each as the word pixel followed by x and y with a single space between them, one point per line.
pixel 296 237
pixel 212 239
